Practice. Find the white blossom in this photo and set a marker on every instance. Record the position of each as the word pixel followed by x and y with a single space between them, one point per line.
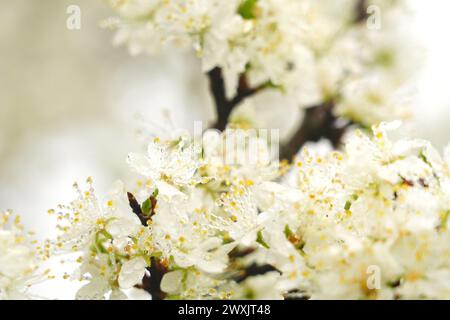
pixel 170 166
pixel 110 239
pixel 18 259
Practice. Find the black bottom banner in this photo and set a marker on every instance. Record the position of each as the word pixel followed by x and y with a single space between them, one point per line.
pixel 193 310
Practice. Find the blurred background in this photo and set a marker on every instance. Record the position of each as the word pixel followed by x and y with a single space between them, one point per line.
pixel 71 105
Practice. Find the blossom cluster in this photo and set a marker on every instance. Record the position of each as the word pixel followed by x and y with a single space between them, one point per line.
pixel 379 207
pixel 301 53
pixel 368 222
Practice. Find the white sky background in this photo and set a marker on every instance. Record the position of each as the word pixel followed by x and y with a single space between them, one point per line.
pixel 433 102
pixel 38 171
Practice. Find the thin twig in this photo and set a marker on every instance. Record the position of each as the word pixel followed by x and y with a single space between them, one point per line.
pixel 151 282
pixel 224 106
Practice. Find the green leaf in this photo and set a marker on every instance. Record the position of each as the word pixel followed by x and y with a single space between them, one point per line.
pixel 288 232
pixel 260 240
pixel 424 158
pixel 146 207
pixel 247 9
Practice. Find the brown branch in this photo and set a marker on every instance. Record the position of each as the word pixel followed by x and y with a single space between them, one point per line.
pixel 225 106
pixel 253 270
pixel 318 122
pixel 244 91
pixel 152 283
pixel 136 207
pixel 361 11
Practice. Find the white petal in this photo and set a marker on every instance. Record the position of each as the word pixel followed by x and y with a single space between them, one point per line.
pixel 118 294
pixel 132 273
pixel 94 290
pixel 167 190
pixel 171 282
pixel 447 154
pixel 142 165
pixel 123 227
